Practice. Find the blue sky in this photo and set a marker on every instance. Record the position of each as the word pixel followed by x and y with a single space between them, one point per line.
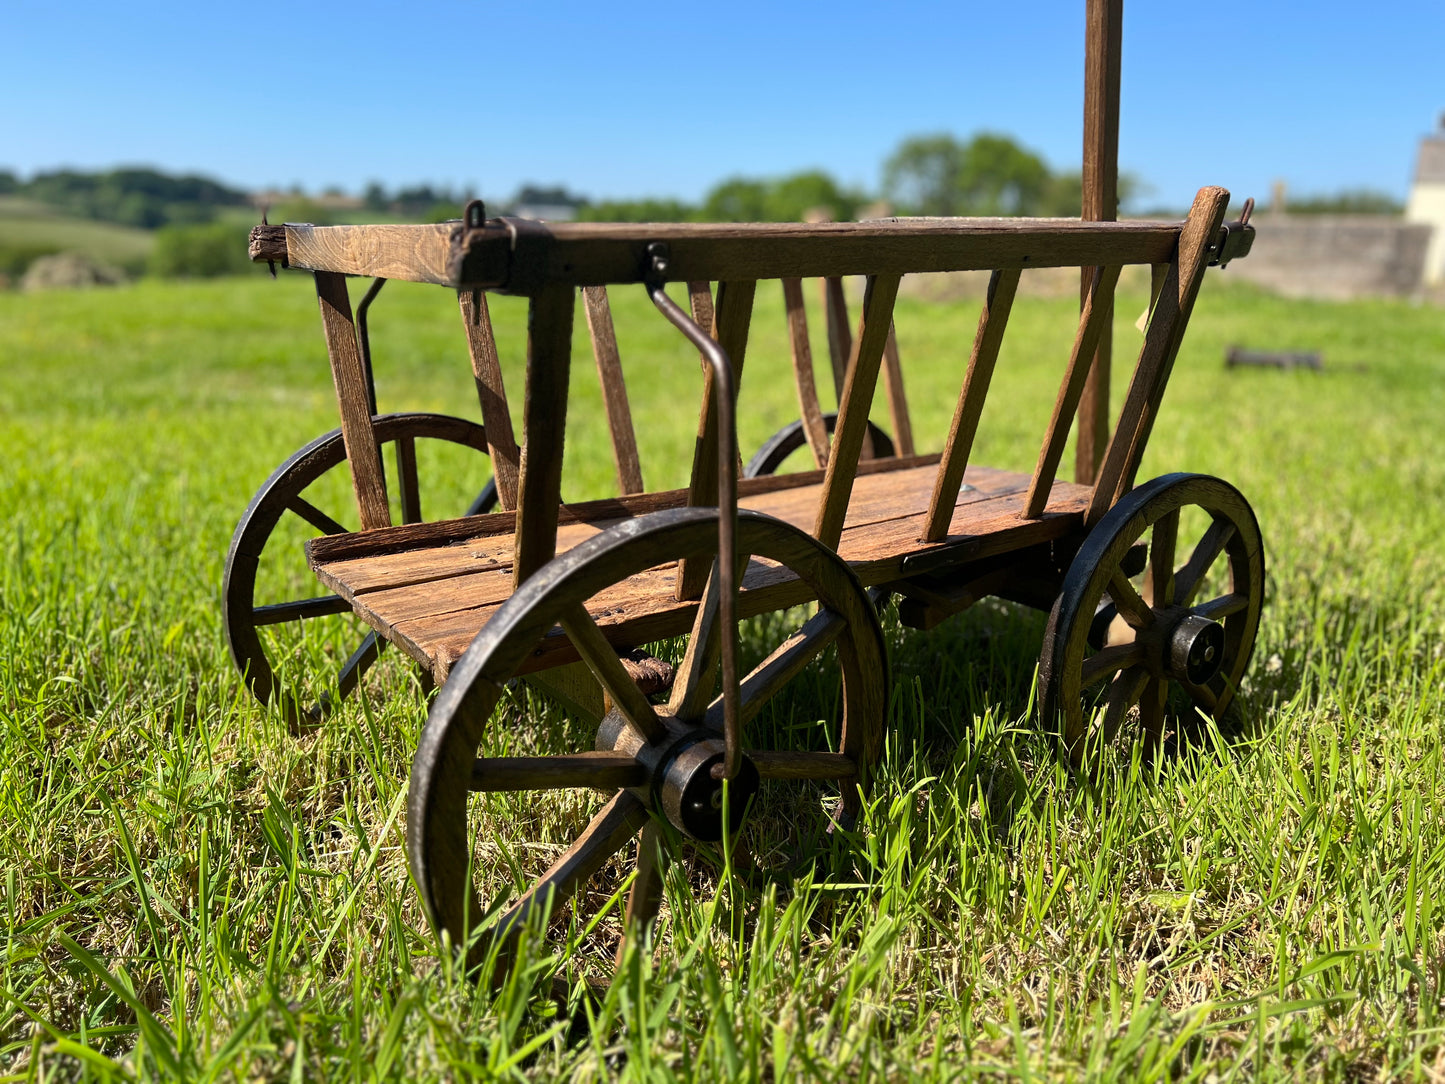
pixel 641 99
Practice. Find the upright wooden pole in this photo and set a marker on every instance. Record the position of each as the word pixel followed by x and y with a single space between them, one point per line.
pixel 1104 21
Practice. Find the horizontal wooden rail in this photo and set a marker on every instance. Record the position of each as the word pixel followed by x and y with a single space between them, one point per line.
pixel 503 255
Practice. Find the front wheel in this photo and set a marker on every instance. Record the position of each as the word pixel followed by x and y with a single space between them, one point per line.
pixel 656 762
pixel 1163 646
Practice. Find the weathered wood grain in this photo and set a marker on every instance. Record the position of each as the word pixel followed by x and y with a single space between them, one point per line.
pixel 1104 21
pixel 539 489
pixel 407 252
pixel 852 427
pixel 898 417
pixel 1098 309
pixel 491 395
pixel 596 254
pixel 809 408
pixel 349 377
pixel 986 342
pixel 1161 347
pixel 614 388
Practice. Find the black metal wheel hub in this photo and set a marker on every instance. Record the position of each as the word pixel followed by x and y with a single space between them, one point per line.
pixel 1196 648
pixel 684 777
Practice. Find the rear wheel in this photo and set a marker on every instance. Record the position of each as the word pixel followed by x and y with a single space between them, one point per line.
pixel 791 437
pixel 1162 647
pixel 267 617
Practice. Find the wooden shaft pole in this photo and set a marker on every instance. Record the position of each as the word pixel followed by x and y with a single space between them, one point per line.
pixel 1104 19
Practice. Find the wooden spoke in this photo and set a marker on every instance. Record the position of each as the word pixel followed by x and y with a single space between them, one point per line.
pixel 302 609
pixel 1130 606
pixel 1151 712
pixel 783 764
pixel 314 516
pixel 692 687
pixel 781 666
pixel 1219 608
pixel 1191 576
pixel 617 822
pixel 357 665
pixel 601 658
pixel 1124 693
pixel 601 770
pixel 1161 557
pixel 410 491
pixel 1110 660
pixel 645 896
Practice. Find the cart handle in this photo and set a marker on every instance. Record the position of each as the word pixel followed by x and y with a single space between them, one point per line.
pixel 725 400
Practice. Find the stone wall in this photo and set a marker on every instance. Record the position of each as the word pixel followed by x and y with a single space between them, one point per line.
pixel 1336 256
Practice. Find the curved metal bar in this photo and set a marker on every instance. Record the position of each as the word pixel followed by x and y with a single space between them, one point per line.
pixel 363 339
pixel 725 398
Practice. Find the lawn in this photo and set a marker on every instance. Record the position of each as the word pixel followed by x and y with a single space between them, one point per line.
pixel 189 889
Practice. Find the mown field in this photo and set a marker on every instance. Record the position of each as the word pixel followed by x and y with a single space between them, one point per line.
pixel 190 890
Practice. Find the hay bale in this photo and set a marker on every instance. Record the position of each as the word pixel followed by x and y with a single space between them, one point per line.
pixel 68 271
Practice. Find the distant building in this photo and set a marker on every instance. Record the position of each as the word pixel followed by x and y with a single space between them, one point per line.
pixel 1427 201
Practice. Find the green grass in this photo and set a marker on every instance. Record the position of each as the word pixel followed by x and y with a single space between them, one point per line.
pixel 27 226
pixel 189 890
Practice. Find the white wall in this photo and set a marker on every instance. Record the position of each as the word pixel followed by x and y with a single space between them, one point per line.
pixel 1427 205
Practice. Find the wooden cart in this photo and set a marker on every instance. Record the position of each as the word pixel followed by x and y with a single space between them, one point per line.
pixel 1147 625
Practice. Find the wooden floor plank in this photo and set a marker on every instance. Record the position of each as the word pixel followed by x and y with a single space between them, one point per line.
pixel 433 600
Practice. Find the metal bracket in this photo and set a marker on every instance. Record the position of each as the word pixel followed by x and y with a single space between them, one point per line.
pixel 1234 239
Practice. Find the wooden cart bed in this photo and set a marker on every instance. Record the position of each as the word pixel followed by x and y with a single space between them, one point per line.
pixel 431 587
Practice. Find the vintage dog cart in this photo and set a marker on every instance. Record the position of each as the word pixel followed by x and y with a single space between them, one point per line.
pixel 1147 621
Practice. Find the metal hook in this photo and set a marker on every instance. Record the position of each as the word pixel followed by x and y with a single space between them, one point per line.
pixel 725 400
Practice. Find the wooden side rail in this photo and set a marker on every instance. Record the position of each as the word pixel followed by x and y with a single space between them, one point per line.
pixel 596 253
pixel 549 261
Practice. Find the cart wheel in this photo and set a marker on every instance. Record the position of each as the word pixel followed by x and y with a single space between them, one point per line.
pixel 791 437
pixel 1170 646
pixel 245 614
pixel 656 762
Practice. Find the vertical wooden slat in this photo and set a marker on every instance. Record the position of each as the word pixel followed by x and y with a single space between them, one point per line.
pixel 352 399
pixel 1161 347
pixel 840 333
pixel 699 300
pixel 491 395
pixel 986 342
pixel 544 426
pixel 1092 325
pixel 1157 274
pixel 809 408
pixel 614 388
pixel 733 314
pixel 897 400
pixel 840 345
pixel 858 390
pixel 1104 24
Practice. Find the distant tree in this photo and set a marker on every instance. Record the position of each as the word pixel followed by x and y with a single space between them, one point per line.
pixel 8 182
pixel 737 199
pixel 375 197
pixel 989 175
pixel 442 212
pixel 200 251
pixel 791 198
pixel 638 210
pixel 782 199
pixel 133 197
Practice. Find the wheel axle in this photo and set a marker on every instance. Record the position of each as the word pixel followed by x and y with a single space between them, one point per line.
pixel 684 783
